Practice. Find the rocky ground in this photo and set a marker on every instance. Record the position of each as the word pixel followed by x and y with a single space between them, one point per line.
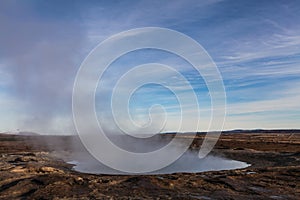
pixel 29 170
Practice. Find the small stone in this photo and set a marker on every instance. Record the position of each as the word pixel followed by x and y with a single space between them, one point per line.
pixel 18 169
pixel 50 170
pixel 78 180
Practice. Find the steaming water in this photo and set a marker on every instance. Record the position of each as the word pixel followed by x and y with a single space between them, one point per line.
pixel 189 163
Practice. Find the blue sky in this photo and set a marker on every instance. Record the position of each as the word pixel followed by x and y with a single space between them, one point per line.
pixel 255 45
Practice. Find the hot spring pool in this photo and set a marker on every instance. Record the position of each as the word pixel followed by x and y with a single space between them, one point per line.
pixel 188 163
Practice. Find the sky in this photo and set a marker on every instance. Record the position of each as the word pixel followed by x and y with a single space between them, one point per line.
pixel 255 45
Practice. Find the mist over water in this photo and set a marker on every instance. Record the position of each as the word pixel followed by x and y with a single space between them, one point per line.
pixel 189 162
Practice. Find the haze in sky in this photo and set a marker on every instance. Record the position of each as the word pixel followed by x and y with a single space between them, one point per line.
pixel 255 45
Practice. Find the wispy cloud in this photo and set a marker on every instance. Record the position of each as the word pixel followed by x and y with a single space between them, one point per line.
pixel 254 44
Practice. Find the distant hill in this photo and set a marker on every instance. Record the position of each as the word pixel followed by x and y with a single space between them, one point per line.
pixel 25 133
pixel 247 131
pixel 263 131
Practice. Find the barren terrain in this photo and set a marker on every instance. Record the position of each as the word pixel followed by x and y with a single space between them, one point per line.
pixel 30 170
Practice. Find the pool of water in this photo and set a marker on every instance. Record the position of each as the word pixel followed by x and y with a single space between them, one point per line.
pixel 188 163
